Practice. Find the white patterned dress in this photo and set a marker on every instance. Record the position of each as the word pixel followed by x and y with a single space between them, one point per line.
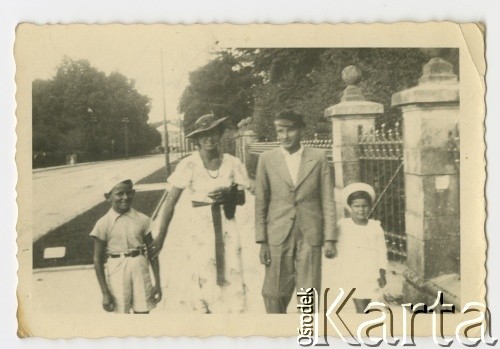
pixel 188 258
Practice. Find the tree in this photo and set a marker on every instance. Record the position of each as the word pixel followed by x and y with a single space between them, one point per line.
pixel 81 110
pixel 309 80
pixel 261 82
pixel 223 87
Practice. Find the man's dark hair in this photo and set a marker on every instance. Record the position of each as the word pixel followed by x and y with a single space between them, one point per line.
pixel 291 115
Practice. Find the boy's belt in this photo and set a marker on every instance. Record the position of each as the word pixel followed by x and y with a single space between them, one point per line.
pixel 131 253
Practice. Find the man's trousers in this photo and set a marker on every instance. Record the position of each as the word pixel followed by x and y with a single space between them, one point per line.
pixel 294 265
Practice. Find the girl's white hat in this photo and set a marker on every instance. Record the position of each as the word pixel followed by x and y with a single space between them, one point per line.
pixel 354 187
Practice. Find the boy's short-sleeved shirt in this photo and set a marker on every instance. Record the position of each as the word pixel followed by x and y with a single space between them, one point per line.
pixel 122 232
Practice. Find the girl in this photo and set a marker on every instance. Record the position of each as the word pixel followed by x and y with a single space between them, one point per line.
pixel 362 249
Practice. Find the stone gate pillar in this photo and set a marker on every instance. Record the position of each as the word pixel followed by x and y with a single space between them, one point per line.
pixel 430 113
pixel 238 146
pixel 244 139
pixel 347 116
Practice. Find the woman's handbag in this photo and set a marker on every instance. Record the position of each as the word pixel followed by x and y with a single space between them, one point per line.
pixel 233 197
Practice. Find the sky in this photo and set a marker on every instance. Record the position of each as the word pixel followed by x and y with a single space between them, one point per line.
pixel 135 54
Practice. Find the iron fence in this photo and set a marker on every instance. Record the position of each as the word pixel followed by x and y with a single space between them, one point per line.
pixel 454 146
pixel 381 162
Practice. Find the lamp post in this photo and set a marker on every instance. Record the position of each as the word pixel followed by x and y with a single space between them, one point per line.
pixel 126 121
pixel 181 137
pixel 93 120
pixel 112 148
pixel 179 151
pixel 165 128
pixel 91 141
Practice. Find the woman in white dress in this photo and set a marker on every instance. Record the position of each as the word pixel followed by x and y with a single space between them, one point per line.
pixel 204 268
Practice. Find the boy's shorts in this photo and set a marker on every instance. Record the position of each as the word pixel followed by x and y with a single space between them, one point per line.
pixel 130 284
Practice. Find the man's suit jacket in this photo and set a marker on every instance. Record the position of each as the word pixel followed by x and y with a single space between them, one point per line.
pixel 278 203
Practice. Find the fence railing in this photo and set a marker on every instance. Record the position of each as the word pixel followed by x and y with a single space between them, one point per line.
pixel 381 157
pixel 454 145
pixel 381 163
pixel 258 148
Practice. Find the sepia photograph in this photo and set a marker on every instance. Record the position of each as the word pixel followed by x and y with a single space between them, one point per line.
pixel 211 175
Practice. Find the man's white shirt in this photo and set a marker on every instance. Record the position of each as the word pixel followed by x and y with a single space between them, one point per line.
pixel 293 162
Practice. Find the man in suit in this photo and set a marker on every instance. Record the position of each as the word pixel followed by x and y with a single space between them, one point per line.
pixel 295 214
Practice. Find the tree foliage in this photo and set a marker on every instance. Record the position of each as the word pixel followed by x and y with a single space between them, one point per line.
pixel 309 81
pixel 81 109
pixel 223 87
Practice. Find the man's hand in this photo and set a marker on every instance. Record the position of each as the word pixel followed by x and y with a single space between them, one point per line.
pixel 107 302
pixel 330 250
pixel 382 281
pixel 157 294
pixel 265 254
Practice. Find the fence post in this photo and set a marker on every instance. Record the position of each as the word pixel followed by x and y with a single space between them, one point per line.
pixel 430 113
pixel 347 116
pixel 245 138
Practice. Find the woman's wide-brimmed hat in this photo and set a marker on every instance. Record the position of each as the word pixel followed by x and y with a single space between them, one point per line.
pixel 206 123
pixel 355 187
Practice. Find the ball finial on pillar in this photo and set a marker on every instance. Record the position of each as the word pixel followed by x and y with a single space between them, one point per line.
pixel 437 70
pixel 433 52
pixel 351 75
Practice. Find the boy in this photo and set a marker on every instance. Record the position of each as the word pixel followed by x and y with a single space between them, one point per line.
pixel 119 243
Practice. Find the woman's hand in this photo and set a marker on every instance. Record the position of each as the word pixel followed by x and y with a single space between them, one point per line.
pixel 217 195
pixel 173 196
pixel 107 302
pixel 251 189
pixel 156 246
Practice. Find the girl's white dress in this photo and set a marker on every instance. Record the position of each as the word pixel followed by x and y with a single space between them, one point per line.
pixel 187 261
pixel 361 253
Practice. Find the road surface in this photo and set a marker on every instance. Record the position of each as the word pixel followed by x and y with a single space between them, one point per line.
pixel 61 194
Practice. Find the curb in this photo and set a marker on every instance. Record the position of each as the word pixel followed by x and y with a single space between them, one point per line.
pixel 65 268
pixel 36 170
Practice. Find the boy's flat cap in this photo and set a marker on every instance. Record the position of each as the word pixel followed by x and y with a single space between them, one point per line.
pixel 115 181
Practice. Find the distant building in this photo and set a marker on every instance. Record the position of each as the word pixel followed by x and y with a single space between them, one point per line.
pixel 174 136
